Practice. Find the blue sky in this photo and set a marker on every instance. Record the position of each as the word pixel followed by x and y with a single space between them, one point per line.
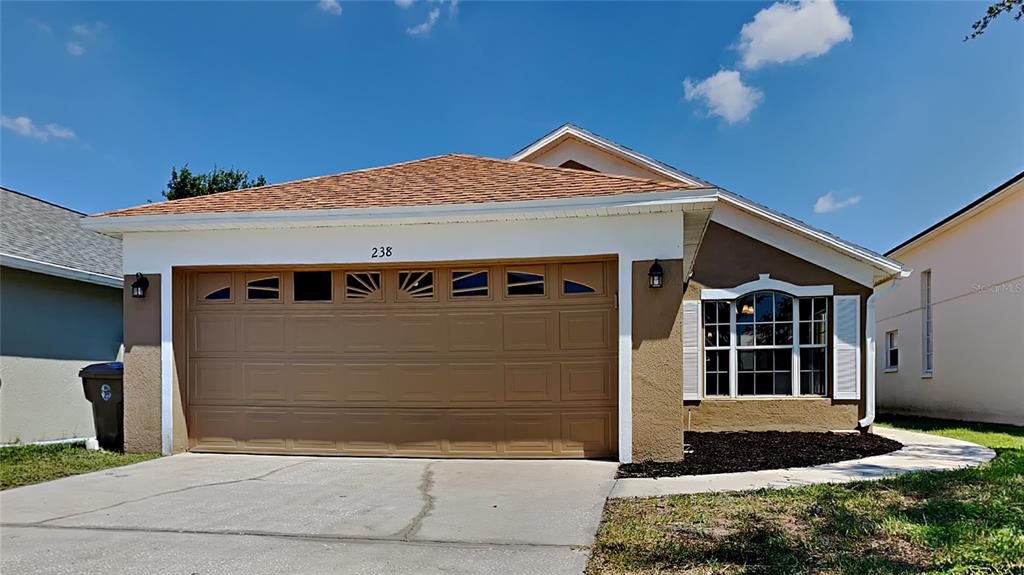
pixel 881 102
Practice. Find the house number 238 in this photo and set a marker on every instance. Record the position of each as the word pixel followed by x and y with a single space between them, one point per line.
pixel 381 252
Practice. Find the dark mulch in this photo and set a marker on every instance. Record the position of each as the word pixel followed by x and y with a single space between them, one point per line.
pixel 729 452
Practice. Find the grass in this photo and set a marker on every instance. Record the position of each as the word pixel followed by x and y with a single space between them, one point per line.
pixel 28 464
pixel 963 522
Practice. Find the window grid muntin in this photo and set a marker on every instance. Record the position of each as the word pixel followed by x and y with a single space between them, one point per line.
pixel 363 286
pixel 796 348
pixel 416 284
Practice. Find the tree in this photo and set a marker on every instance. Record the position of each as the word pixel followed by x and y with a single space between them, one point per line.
pixel 185 184
pixel 979 27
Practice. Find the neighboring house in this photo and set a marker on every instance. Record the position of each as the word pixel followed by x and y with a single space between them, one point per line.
pixel 951 337
pixel 549 305
pixel 60 310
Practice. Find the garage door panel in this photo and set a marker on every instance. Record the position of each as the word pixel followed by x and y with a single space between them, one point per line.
pixel 213 380
pixel 365 383
pixel 484 373
pixel 419 383
pixel 531 381
pixel 365 333
pixel 476 383
pixel 587 380
pixel 474 332
pixel 265 382
pixel 585 329
pixel 529 331
pixel 214 333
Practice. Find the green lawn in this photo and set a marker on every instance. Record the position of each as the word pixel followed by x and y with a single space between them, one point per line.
pixel 26 464
pixel 967 521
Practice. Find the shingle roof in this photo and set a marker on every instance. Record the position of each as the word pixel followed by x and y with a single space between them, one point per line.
pixel 37 230
pixel 442 180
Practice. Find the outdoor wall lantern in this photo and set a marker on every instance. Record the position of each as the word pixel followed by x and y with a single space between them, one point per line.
pixel 656 275
pixel 140 285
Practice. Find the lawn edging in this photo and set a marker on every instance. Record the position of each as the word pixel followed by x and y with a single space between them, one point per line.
pixel 921 452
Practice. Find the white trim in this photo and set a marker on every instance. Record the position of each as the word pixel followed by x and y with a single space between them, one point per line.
pixel 608 146
pixel 765 282
pixel 56 270
pixel 625 304
pixel 869 338
pixel 166 362
pixel 50 441
pixel 620 204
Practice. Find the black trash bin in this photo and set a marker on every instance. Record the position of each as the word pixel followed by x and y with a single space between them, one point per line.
pixel 103 384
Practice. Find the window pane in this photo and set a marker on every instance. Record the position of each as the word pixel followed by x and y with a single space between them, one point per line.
pixel 745 334
pixel 723 335
pixel 805 309
pixel 764 384
pixel 765 304
pixel 894 357
pixel 312 286
pixel 783 307
pixel 745 309
pixel 223 293
pixel 362 285
pixel 819 308
pixel 819 332
pixel 524 283
pixel 745 360
pixel 783 383
pixel 764 334
pixel 710 335
pixel 783 334
pixel 745 384
pixel 723 312
pixel 805 333
pixel 469 283
pixel 416 284
pixel 763 360
pixel 709 312
pixel 571 287
pixel 263 288
pixel 783 359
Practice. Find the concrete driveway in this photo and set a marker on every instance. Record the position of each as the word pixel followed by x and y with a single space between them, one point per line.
pixel 207 514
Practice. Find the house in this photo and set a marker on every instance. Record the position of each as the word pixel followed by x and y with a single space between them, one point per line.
pixel 60 310
pixel 576 300
pixel 951 336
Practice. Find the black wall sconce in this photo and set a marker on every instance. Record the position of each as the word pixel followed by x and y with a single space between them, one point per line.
pixel 656 275
pixel 140 285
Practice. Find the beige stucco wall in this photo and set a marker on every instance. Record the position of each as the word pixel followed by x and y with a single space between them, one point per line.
pixel 977 269
pixel 142 389
pixel 50 328
pixel 727 259
pixel 573 149
pixel 657 365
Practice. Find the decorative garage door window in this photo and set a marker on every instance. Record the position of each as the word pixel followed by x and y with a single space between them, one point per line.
pixel 583 278
pixel 525 280
pixel 766 343
pixel 363 286
pixel 262 287
pixel 214 286
pixel 416 285
pixel 470 283
pixel 312 286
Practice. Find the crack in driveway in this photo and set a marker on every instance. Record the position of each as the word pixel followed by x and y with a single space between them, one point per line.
pixel 170 492
pixel 426 484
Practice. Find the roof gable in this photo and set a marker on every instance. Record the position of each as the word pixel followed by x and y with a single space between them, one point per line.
pixel 572 143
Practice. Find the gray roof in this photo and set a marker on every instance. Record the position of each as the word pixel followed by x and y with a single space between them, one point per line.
pixel 37 230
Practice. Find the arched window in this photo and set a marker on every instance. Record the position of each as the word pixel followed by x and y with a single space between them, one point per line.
pixel 765 343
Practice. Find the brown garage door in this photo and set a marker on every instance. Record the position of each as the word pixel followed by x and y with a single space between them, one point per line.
pixel 458 360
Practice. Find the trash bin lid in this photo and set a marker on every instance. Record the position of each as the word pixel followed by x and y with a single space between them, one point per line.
pixel 111 369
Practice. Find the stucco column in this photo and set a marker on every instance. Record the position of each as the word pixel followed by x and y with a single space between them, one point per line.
pixel 657 364
pixel 142 368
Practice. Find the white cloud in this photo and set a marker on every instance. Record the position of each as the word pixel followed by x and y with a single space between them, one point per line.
pixel 403 3
pixel 88 30
pixel 787 31
pixel 831 203
pixel 24 126
pixel 330 6
pixel 425 27
pixel 725 95
pixel 40 25
pixel 453 7
pixel 74 48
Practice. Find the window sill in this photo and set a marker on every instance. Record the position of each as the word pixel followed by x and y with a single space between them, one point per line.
pixel 766 398
pixel 891 370
pixel 926 375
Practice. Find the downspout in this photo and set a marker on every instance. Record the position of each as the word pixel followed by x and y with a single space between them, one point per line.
pixel 869 337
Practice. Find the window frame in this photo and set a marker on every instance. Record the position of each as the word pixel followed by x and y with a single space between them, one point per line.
pixel 891 345
pixel 927 326
pixel 796 346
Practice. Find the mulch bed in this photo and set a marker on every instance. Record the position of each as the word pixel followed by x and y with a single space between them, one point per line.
pixel 730 452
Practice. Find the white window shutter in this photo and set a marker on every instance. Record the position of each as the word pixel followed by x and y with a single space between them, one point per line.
pixel 691 350
pixel 846 346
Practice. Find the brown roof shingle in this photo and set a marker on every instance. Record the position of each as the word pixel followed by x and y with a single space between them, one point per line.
pixel 449 179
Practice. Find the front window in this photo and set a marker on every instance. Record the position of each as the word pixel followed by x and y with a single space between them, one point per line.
pixel 892 351
pixel 772 343
pixel 926 321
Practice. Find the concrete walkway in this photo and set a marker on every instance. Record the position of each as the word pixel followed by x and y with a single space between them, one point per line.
pixel 921 452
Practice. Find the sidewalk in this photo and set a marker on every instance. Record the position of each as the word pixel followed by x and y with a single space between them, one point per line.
pixel 921 452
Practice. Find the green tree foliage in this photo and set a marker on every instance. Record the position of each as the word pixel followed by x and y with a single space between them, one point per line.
pixel 993 11
pixel 185 184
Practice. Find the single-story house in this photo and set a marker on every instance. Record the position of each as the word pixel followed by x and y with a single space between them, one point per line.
pixel 576 300
pixel 60 310
pixel 951 336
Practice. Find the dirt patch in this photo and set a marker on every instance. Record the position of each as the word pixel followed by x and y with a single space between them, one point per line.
pixel 730 452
